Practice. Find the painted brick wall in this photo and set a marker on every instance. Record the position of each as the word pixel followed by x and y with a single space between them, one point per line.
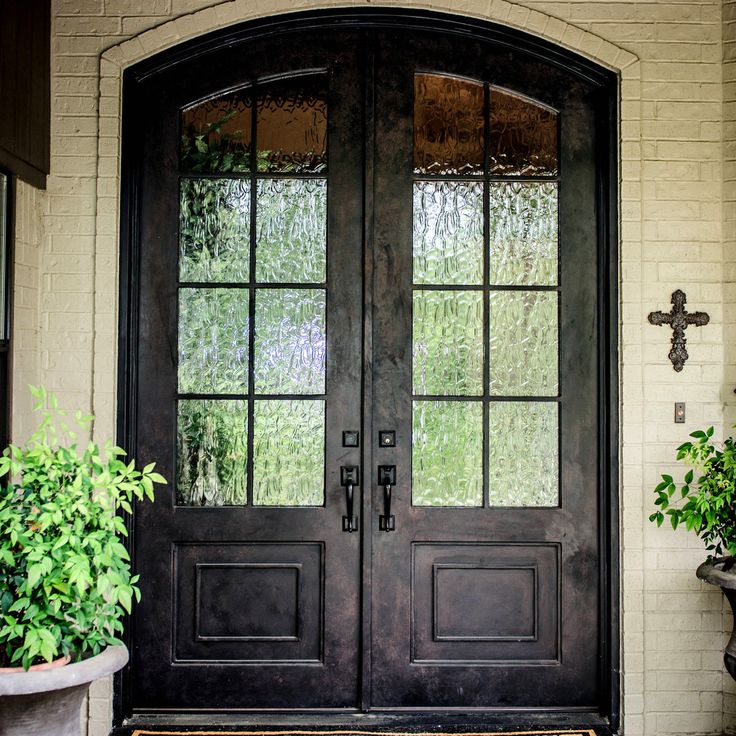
pixel 26 357
pixel 678 190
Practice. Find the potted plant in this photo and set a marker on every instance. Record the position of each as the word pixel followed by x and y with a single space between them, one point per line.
pixel 706 506
pixel 65 577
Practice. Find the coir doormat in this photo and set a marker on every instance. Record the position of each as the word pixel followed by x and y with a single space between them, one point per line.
pixel 554 732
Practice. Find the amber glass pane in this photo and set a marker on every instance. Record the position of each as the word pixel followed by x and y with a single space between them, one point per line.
pixel 216 134
pixel 212 453
pixel 213 341
pixel 523 233
pixel 290 341
pixel 523 463
pixel 288 453
pixel 448 343
pixel 448 125
pixel 292 230
pixel 447 453
pixel 448 232
pixel 523 343
pixel 523 136
pixel 214 230
pixel 291 130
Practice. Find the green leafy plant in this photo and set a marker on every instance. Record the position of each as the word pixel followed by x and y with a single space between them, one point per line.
pixel 208 148
pixel 705 505
pixel 65 577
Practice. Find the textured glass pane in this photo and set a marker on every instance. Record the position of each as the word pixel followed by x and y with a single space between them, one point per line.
pixel 288 453
pixel 292 126
pixel 448 125
pixel 214 230
pixel 290 341
pixel 523 234
pixel 448 232
pixel 212 453
pixel 216 134
pixel 448 343
pixel 213 341
pixel 523 343
pixel 291 218
pixel 523 454
pixel 447 453
pixel 523 136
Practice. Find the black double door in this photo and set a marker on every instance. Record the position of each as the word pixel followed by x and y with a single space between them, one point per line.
pixel 364 260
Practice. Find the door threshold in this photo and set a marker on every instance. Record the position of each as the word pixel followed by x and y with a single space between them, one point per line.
pixel 388 722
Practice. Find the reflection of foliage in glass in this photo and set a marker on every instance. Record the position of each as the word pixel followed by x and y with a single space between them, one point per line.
pixel 291 245
pixel 290 341
pixel 213 340
pixel 292 126
pixel 216 136
pixel 214 230
pixel 447 453
pixel 288 453
pixel 522 136
pixel 523 233
pixel 212 453
pixel 448 232
pixel 448 125
pixel 448 343
pixel 523 453
pixel 523 343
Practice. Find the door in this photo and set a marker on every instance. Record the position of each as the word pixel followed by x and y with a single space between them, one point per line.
pixel 362 342
pixel 484 361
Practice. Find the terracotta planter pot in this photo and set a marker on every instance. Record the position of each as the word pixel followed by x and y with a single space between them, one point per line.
pixel 37 667
pixel 47 702
pixel 722 572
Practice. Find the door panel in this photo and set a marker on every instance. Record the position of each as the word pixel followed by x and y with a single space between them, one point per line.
pixel 366 250
pixel 495 487
pixel 250 586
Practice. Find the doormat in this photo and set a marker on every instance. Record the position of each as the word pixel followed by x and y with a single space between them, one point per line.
pixel 553 732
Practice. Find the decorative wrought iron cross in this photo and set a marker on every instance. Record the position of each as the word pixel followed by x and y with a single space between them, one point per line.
pixel 678 318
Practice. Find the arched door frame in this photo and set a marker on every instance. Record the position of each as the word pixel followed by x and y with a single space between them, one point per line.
pixel 607 201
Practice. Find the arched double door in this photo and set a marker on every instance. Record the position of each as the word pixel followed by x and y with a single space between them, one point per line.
pixel 364 339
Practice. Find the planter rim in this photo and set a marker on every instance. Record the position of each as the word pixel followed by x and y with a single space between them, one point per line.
pixel 109 660
pixel 711 571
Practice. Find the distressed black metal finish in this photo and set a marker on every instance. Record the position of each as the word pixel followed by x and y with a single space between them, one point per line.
pixel 439 648
pixel 369 621
pixel 679 319
pixel 387 480
pixel 349 478
pixel 195 644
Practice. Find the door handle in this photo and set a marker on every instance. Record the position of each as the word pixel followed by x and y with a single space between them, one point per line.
pixel 387 479
pixel 349 478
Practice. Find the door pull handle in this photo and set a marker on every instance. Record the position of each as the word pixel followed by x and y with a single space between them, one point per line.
pixel 387 479
pixel 349 478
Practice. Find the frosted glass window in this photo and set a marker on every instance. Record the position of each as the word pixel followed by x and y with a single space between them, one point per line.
pixel 288 453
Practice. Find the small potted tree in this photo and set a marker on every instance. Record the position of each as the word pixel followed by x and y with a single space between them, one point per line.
pixel 705 505
pixel 65 577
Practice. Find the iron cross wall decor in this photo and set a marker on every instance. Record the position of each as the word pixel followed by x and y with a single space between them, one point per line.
pixel 679 319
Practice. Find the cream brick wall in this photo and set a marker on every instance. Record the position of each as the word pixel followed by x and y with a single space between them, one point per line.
pixel 678 229
pixel 26 356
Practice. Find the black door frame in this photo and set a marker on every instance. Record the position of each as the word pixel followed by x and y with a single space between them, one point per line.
pixel 607 204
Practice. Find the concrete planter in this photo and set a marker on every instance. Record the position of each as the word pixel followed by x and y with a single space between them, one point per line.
pixel 721 571
pixel 47 702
